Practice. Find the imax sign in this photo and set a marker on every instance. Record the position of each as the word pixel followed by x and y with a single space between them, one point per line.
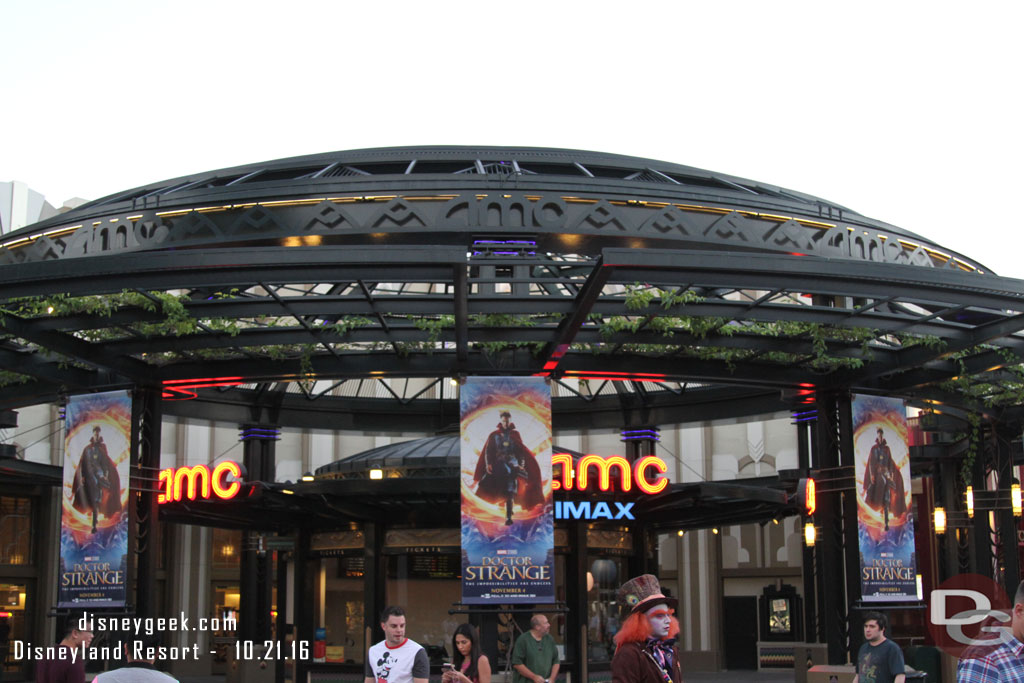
pixel 584 509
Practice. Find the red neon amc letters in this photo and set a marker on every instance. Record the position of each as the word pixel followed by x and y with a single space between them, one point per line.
pixel 199 482
pixel 627 474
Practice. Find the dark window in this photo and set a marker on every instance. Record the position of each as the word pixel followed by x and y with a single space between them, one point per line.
pixel 15 525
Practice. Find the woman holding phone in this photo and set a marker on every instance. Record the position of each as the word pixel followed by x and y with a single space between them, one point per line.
pixel 468 665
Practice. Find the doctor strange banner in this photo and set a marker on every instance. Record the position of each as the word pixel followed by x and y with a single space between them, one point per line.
pixel 508 535
pixel 885 522
pixel 94 507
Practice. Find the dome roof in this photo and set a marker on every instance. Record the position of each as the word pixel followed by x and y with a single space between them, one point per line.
pixel 433 173
pixel 431 452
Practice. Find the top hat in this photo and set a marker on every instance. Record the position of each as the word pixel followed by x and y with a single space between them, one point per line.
pixel 642 593
pixel 504 413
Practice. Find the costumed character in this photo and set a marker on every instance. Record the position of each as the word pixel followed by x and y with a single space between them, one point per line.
pixel 645 646
pixel 96 487
pixel 883 481
pixel 507 470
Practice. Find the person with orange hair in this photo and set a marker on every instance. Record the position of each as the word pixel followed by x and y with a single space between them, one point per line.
pixel 645 646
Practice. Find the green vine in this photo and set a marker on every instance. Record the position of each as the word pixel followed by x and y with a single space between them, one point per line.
pixel 973 439
pixel 8 378
pixel 434 326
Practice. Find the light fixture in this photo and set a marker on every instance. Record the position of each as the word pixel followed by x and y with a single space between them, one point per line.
pixel 920 588
pixel 810 534
pixel 308 476
pixel 454 381
pixel 970 501
pixel 49 309
pixel 715 531
pixel 939 517
pixel 810 497
pixel 775 521
pixel 288 491
pixel 1015 499
pixel 680 533
pixel 376 473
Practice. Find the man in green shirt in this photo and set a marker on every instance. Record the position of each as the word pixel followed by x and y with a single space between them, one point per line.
pixel 535 656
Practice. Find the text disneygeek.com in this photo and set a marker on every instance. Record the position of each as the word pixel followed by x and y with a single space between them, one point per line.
pixel 123 632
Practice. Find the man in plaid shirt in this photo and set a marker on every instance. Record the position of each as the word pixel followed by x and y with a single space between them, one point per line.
pixel 1002 663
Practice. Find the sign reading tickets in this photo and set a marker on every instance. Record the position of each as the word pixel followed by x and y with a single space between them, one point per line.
pixel 885 522
pixel 94 505
pixel 508 533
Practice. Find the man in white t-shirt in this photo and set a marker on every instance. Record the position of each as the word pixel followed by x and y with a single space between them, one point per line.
pixel 396 659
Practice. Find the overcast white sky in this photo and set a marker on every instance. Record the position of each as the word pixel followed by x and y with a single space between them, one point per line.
pixel 906 112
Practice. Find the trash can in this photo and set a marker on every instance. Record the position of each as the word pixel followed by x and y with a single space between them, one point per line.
pixel 929 660
pixel 806 655
pixel 831 673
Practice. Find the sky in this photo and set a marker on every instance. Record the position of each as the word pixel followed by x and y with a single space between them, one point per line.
pixel 907 112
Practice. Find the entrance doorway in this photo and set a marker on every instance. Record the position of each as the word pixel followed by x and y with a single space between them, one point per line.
pixel 740 638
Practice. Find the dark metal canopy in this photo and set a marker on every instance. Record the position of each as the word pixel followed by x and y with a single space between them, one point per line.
pixel 341 290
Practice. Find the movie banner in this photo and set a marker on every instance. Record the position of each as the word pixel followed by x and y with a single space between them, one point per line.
pixel 885 520
pixel 508 533
pixel 94 507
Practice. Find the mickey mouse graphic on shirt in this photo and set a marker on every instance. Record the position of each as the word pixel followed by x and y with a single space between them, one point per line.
pixel 384 667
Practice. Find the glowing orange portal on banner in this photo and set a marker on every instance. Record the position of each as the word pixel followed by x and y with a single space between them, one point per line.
pixel 627 473
pixel 199 482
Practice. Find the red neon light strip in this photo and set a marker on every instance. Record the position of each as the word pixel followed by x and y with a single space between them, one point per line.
pixel 175 394
pixel 204 384
pixel 203 379
pixel 595 374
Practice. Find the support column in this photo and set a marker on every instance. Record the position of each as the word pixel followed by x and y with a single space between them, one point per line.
pixel 1005 520
pixel 981 530
pixel 303 595
pixel 854 634
pixel 810 605
pixel 281 624
pixel 145 459
pixel 577 646
pixel 255 602
pixel 374 577
pixel 947 491
pixel 641 442
pixel 831 580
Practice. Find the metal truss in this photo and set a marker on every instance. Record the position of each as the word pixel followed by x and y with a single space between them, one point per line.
pixel 383 303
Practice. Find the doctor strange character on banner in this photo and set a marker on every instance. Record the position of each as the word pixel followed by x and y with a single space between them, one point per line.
pixel 507 471
pixel 883 481
pixel 97 487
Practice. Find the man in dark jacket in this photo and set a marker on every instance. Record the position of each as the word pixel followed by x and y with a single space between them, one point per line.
pixel 883 481
pixel 507 470
pixel 646 649
pixel 97 486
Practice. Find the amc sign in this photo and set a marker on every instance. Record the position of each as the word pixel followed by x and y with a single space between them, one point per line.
pixel 199 481
pixel 579 478
pixel 627 473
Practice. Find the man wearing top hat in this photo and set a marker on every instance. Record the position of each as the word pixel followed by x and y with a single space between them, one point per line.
pixel 645 646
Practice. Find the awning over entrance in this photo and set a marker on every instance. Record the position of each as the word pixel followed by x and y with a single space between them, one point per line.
pixel 434 502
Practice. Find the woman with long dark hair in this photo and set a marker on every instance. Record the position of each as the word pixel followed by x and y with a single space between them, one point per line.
pixel 469 665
